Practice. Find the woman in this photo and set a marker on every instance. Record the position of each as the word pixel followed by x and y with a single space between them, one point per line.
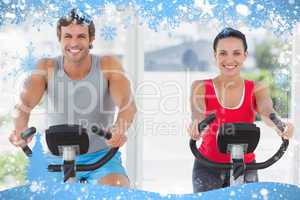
pixel 234 100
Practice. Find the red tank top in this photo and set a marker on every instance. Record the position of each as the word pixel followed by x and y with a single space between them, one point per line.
pixel 244 113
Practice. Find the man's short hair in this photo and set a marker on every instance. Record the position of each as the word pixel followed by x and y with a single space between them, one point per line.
pixel 77 16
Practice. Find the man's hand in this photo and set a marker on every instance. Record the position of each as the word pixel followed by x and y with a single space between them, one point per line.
pixel 118 138
pixel 288 132
pixel 15 139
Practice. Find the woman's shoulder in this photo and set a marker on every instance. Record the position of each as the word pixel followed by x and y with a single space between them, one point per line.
pixel 259 86
pixel 198 86
pixel 201 83
pixel 254 83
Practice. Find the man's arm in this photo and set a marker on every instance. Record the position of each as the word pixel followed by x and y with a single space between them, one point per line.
pixel 119 88
pixel 265 108
pixel 30 95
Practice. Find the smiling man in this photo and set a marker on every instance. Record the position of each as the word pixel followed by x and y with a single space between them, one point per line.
pixel 83 89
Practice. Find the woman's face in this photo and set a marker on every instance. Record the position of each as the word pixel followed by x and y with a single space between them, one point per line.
pixel 230 56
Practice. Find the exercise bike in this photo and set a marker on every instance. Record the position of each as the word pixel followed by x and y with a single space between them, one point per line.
pixel 238 139
pixel 69 141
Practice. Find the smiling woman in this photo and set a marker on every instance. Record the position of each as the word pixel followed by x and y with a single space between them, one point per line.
pixel 233 100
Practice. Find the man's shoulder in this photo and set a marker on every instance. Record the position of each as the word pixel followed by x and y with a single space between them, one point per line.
pixel 110 62
pixel 46 63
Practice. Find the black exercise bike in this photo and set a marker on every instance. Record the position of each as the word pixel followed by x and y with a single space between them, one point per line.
pixel 69 141
pixel 238 139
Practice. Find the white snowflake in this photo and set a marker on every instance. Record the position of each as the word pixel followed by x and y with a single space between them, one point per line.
pixel 108 32
pixel 243 10
pixel 36 187
pixel 264 192
pixel 232 193
pixel 254 196
pixel 118 197
pixel 6 1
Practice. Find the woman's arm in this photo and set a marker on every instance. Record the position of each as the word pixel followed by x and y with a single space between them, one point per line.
pixel 265 108
pixel 197 108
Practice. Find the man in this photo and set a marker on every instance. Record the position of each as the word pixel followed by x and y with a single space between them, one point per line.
pixel 81 89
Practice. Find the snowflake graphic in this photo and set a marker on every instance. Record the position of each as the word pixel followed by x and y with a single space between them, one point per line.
pixel 154 13
pixel 108 32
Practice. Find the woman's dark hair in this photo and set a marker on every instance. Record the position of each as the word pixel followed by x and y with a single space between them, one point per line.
pixel 230 32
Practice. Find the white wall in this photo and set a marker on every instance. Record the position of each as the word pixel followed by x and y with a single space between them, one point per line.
pixel 296 102
pixel 134 61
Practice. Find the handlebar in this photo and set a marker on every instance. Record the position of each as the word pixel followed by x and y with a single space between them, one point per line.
pixel 25 135
pixel 248 166
pixel 106 134
pixel 208 120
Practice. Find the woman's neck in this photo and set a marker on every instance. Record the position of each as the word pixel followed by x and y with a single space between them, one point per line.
pixel 233 81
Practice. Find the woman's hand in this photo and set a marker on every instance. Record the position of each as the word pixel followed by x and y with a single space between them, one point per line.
pixel 193 130
pixel 288 131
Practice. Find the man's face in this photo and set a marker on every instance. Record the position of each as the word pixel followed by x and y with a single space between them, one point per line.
pixel 75 42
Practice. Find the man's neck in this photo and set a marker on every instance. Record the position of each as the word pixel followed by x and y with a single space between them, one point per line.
pixel 78 70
